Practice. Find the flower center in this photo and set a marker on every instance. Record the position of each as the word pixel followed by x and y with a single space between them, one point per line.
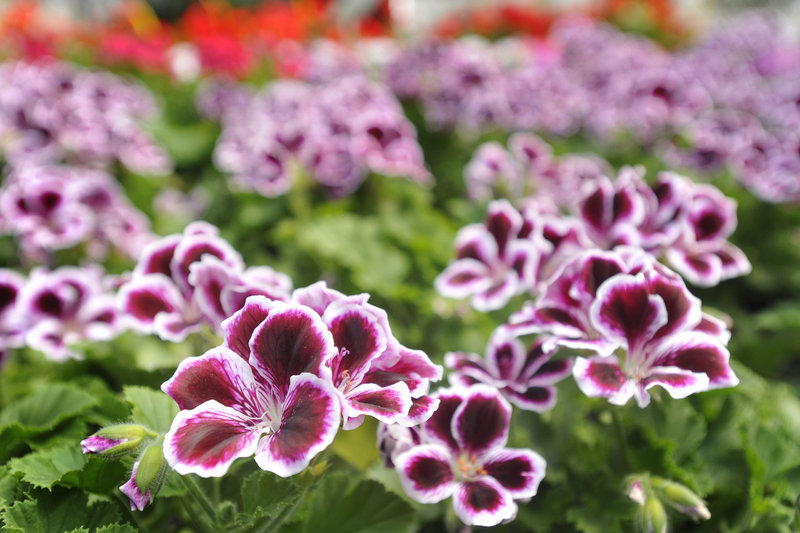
pixel 468 468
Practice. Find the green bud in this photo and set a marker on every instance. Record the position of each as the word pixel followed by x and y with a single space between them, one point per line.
pixel 152 470
pixel 114 442
pixel 652 516
pixel 682 499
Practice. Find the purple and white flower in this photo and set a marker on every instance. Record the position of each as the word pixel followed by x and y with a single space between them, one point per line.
pixel 266 393
pixel 525 377
pixel 640 320
pixel 463 456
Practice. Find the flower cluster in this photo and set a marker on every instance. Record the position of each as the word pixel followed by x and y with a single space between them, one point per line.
pixel 286 377
pixel 639 318
pixel 337 130
pixel 185 281
pixel 55 207
pixel 460 452
pixel 513 251
pixel 54 113
pixel 525 377
pixel 729 100
pixel 53 310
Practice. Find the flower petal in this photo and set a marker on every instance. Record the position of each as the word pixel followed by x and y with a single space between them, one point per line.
pixel 602 377
pixel 518 471
pixel 425 473
pixel 207 439
pixel 463 278
pixel 291 340
pixel 311 416
pixel 483 502
pixel 626 312
pixel 481 421
pixel 438 428
pixel 699 353
pixel 220 375
pixel 679 383
pixel 359 338
pixel 421 409
pixel 386 404
pixel 239 327
pixel 537 399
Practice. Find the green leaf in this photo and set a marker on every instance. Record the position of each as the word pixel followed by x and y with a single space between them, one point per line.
pixel 263 495
pixel 151 408
pixel 339 507
pixel 116 528
pixel 46 407
pixel 47 467
pixel 58 512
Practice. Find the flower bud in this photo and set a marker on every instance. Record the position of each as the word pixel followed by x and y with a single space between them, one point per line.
pixel 636 491
pixel 146 478
pixel 653 517
pixel 152 469
pixel 682 499
pixel 114 442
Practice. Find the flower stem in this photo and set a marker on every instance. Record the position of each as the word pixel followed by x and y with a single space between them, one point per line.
pixel 621 438
pixel 201 498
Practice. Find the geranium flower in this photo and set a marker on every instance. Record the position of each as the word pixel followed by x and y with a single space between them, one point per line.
pixel 266 392
pixel 640 319
pixel 374 374
pixel 494 261
pixel 464 456
pixel 524 377
pixel 183 281
pixel 66 306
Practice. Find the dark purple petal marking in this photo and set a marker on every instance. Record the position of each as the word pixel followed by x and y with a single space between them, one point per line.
pixel 537 399
pixel 503 222
pixel 385 404
pixel 438 427
pixel 290 341
pixel 700 353
pixel 481 421
pixel 683 309
pixel 207 439
pixel 595 272
pixel 518 471
pixel 358 338
pixel 157 256
pixel 593 209
pixel 217 375
pixel 483 502
pixel 239 328
pixel 626 311
pixel 463 278
pixel 311 416
pixel 600 376
pixel 425 473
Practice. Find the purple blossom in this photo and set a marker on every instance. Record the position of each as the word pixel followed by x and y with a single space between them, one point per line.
pixel 54 113
pixel 337 129
pixel 463 455
pixel 66 306
pixel 495 260
pixel 274 401
pixel 50 208
pixel 686 224
pixel 182 282
pixel 525 377
pixel 640 319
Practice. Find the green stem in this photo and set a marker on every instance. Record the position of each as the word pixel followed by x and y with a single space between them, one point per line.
pixel 201 498
pixel 621 438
